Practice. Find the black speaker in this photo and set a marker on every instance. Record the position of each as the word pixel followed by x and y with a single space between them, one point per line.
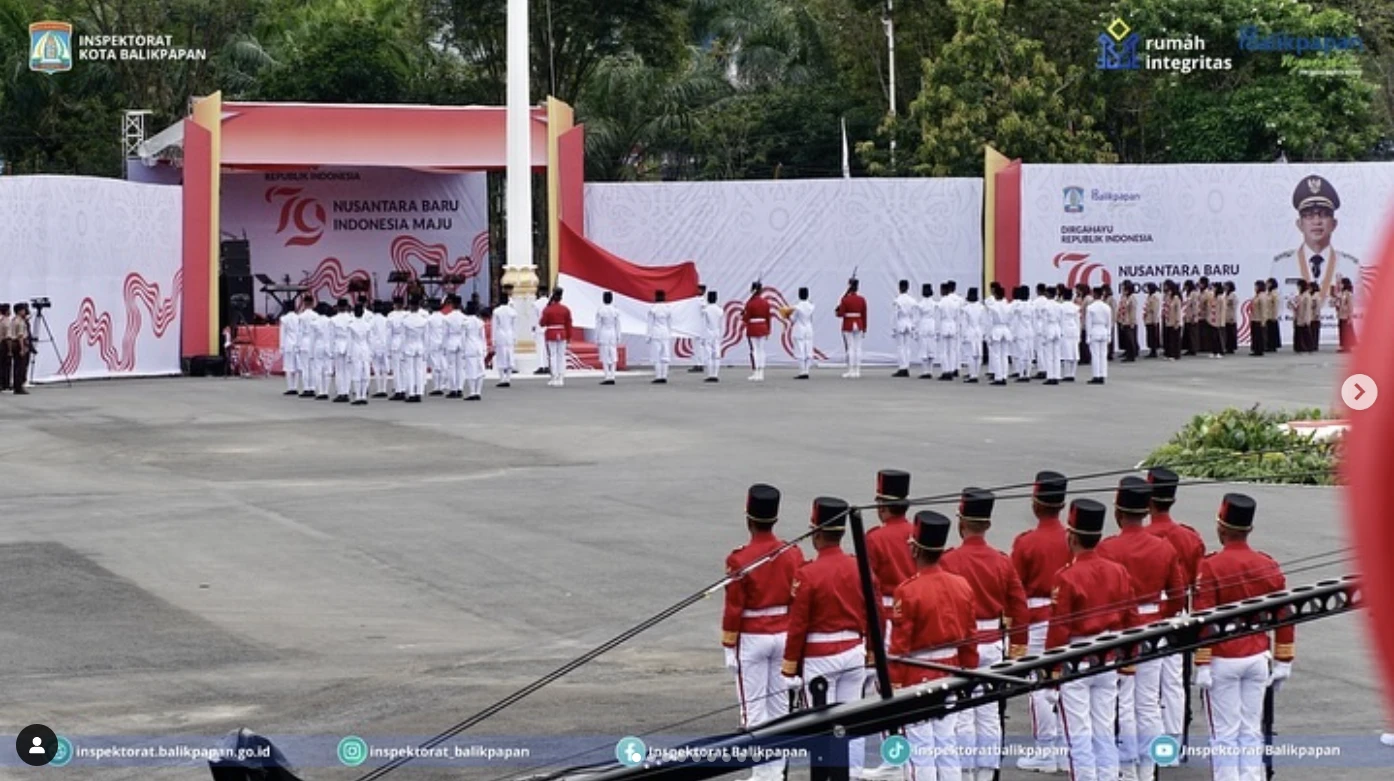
pixel 235 298
pixel 236 258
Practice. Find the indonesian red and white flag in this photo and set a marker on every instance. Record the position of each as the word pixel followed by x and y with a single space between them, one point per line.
pixel 586 272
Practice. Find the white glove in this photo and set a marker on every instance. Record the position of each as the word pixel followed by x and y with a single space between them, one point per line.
pixel 792 682
pixel 731 663
pixel 1281 672
pixel 1203 679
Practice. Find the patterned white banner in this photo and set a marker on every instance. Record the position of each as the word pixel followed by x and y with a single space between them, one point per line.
pixel 797 233
pixel 1107 223
pixel 107 255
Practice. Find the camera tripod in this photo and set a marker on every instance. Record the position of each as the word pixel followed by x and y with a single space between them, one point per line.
pixel 34 340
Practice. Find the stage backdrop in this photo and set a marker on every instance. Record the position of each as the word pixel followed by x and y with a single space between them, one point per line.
pixel 327 227
pixel 797 233
pixel 1107 223
pixel 107 254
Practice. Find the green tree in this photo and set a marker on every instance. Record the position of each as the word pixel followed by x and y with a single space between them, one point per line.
pixel 989 85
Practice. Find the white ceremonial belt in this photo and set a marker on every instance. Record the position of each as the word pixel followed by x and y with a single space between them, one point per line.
pixel 831 637
pixel 888 601
pixel 550 327
pixel 757 319
pixel 989 624
pixel 1038 602
pixel 935 654
pixel 762 612
pixel 1088 639
pixel 1149 609
pixel 852 315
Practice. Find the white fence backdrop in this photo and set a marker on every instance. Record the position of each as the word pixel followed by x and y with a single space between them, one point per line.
pixel 798 233
pixel 107 254
pixel 1106 223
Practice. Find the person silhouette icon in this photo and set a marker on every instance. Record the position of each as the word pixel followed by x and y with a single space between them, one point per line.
pixel 38 746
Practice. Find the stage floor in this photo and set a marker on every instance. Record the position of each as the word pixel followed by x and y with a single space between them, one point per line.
pixel 184 557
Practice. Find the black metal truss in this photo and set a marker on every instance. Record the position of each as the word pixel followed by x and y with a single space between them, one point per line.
pixel 1010 679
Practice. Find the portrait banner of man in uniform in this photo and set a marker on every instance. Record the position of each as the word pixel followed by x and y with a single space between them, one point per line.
pixel 1316 260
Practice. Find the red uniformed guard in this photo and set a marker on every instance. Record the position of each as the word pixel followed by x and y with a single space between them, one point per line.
pixel 888 545
pixel 827 620
pixel 1159 588
pixel 556 327
pixel 932 619
pixel 1236 672
pixel 998 601
pixel 1191 549
pixel 1038 554
pixel 757 615
pixel 1092 595
pixel 756 317
pixel 852 310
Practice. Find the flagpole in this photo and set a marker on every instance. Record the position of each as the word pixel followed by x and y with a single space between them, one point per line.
pixel 846 158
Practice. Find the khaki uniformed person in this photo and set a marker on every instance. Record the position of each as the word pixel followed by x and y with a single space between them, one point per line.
pixel 1258 319
pixel 18 331
pixel 1152 319
pixel 6 356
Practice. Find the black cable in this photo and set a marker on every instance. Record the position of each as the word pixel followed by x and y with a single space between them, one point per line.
pixel 692 599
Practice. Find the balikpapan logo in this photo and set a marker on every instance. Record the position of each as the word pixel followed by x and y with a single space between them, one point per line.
pixel 1074 200
pixel 306 213
pixel 50 47
pixel 1081 271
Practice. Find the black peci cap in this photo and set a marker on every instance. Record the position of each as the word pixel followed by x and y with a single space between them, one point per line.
pixel 1133 495
pixel 931 530
pixel 892 484
pixel 762 503
pixel 1315 192
pixel 1050 488
pixel 1164 482
pixel 975 504
pixel 829 513
pixel 1086 517
pixel 1237 512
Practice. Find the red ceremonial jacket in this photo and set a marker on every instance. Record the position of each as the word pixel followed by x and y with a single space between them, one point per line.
pixel 888 551
pixel 852 310
pixel 1092 595
pixel 1232 574
pixel 827 600
pixel 1037 555
pixel 756 316
pixel 997 593
pixel 1188 544
pixel 932 618
pixel 1155 569
pixel 764 591
pixel 556 322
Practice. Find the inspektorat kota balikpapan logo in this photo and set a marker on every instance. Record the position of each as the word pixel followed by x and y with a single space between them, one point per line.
pixel 50 47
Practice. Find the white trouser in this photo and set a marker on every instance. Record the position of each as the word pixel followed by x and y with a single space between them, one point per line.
pixel 342 381
pixel 556 359
pixel 997 358
pixel 661 353
pixel 1234 706
pixel 803 351
pixel 1050 357
pixel 844 673
pixel 455 370
pixel 414 367
pixel 401 372
pixel 1022 354
pixel 757 353
pixel 699 353
pixel 1088 709
pixel 359 369
pixel 713 353
pixel 609 358
pixel 325 384
pixel 539 339
pixel 1147 705
pixel 472 367
pixel 855 339
pixel 1127 720
pixel 980 729
pixel 948 353
pixel 1173 696
pixel 927 341
pixel 503 360
pixel 289 365
pixel 934 750
pixel 761 688
pixel 1045 719
pixel 380 371
pixel 1098 349
pixel 902 349
pixel 971 353
pixel 303 363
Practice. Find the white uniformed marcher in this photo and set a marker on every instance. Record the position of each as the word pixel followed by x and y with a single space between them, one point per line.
pixel 660 336
pixel 802 314
pixel 290 345
pixel 305 348
pixel 999 337
pixel 414 352
pixel 1040 312
pixel 607 336
pixel 905 319
pixel 950 311
pixel 504 321
pixel 1069 335
pixel 360 354
pixel 1023 334
pixel 713 322
pixel 453 344
pixel 342 382
pixel 1098 323
pixel 324 355
pixel 472 350
pixel 928 329
pixel 539 336
pixel 971 340
pixel 395 350
pixel 378 341
pixel 1050 334
pixel 435 352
